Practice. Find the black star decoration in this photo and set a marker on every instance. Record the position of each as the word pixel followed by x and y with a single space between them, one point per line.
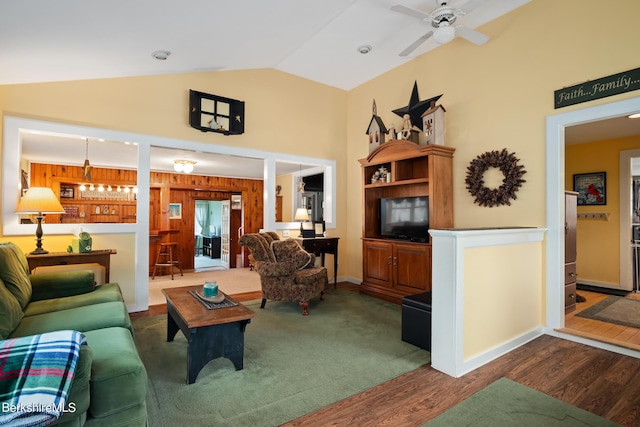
pixel 416 108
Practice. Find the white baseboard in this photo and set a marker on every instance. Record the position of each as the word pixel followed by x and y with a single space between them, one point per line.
pixel 482 359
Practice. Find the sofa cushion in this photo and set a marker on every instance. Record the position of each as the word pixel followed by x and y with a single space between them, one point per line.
pixel 14 272
pixel 79 393
pixel 118 377
pixel 83 319
pixel 290 251
pixel 105 293
pixel 10 312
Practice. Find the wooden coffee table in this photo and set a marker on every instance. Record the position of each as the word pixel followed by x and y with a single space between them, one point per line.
pixel 210 333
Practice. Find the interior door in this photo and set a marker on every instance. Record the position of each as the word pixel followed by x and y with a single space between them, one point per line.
pixel 225 233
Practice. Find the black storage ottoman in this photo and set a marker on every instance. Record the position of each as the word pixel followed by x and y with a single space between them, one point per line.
pixel 416 320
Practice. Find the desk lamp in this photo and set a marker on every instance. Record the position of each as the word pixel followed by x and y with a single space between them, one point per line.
pixel 301 215
pixel 40 201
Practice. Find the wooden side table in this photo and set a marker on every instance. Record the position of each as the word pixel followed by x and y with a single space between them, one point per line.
pixel 102 257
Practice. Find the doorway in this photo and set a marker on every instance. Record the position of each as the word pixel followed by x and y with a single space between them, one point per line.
pixel 209 227
pixel 555 161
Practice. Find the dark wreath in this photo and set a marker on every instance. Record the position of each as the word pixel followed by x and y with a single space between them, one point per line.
pixel 508 165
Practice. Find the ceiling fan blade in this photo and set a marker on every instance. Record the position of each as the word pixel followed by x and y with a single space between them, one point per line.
pixel 413 46
pixel 411 12
pixel 472 35
pixel 471 5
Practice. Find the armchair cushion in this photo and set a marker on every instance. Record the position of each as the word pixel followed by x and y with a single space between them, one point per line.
pixel 57 285
pixel 290 251
pixel 259 245
pixel 14 272
pixel 275 269
pixel 10 312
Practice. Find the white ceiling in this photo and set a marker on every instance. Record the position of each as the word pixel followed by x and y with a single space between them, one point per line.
pixel 44 40
pixel 618 127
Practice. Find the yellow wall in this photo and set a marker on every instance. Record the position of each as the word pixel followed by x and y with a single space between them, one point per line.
pixel 498 96
pixel 286 184
pixel 511 276
pixel 598 241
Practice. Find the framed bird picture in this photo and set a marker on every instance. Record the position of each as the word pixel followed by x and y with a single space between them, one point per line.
pixel 591 188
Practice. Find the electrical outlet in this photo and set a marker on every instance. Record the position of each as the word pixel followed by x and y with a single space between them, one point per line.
pixel 285 233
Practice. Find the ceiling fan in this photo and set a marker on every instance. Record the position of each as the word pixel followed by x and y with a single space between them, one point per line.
pixel 442 20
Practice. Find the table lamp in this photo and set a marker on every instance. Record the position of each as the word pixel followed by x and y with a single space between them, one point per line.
pixel 301 215
pixel 40 201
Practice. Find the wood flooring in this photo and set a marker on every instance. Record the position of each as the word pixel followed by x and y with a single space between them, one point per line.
pixel 622 336
pixel 604 383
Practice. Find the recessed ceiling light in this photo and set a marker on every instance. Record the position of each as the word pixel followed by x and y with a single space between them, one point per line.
pixel 364 49
pixel 635 116
pixel 161 55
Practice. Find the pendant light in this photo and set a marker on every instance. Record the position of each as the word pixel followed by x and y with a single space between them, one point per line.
pixel 86 168
pixel 300 184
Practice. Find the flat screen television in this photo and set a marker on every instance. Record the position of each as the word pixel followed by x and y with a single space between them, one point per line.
pixel 405 218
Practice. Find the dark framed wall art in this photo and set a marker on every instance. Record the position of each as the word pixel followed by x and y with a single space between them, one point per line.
pixel 591 188
pixel 66 192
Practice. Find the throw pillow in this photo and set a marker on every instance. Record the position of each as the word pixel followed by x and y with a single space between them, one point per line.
pixel 290 251
pixel 14 272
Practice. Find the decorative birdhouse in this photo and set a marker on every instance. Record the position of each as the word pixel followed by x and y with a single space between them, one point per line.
pixel 433 125
pixel 376 130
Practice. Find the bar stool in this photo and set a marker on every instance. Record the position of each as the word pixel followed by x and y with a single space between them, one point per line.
pixel 164 258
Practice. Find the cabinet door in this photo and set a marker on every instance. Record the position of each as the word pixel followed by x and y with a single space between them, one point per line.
pixel 412 267
pixel 377 262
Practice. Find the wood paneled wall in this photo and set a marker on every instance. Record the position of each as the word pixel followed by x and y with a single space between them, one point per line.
pixel 167 188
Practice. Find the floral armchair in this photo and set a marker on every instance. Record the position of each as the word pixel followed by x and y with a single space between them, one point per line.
pixel 287 272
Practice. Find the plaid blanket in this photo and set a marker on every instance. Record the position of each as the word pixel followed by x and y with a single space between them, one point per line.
pixel 36 373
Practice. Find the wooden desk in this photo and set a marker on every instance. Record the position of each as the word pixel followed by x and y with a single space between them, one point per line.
pixel 321 246
pixel 101 257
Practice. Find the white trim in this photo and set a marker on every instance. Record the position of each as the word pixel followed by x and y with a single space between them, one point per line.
pixel 555 126
pixel 593 343
pixel 492 354
pixel 11 179
pixel 626 176
pixel 447 295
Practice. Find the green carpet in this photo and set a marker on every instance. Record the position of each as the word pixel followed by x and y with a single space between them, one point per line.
pixel 293 364
pixel 507 403
pixel 613 309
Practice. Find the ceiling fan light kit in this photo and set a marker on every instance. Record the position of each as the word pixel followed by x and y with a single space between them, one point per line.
pixel 442 20
pixel 444 34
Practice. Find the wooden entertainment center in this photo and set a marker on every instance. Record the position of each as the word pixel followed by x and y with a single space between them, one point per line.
pixel 394 268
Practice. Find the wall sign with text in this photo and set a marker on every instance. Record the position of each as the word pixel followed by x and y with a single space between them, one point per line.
pixel 595 89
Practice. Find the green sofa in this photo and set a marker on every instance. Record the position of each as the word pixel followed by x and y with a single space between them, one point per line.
pixel 110 383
